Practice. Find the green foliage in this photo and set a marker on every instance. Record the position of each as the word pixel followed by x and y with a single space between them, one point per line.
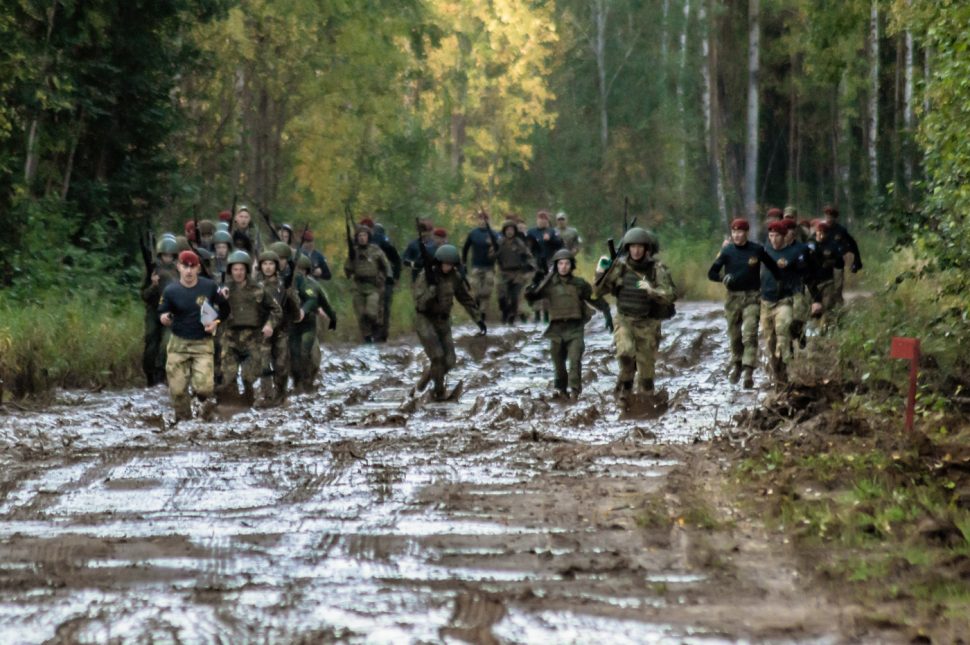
pixel 69 339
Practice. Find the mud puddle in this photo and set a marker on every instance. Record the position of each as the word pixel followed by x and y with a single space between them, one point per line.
pixel 507 516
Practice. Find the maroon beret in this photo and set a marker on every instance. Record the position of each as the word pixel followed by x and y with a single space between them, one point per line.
pixel 189 258
pixel 740 224
pixel 774 213
pixel 777 227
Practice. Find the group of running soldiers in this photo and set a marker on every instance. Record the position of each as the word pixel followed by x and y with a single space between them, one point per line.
pixel 250 321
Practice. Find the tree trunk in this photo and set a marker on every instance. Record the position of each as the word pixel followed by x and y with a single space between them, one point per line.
pixel 793 132
pixel 751 130
pixel 927 56
pixel 873 143
pixel 664 37
pixel 908 111
pixel 600 10
pixel 711 138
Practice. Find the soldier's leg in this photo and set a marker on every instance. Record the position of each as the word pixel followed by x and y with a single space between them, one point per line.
pixel 315 355
pixel 486 286
pixel 626 351
pixel 360 311
pixel 178 371
pixel 229 363
pixel 281 365
pixel 203 370
pixel 574 355
pixel 296 361
pixel 557 349
pixel 428 335
pixel 253 361
pixel 839 284
pixel 783 322
pixel 749 333
pixel 514 298
pixel 768 331
pixel 385 326
pixel 647 340
pixel 733 309
pixel 375 302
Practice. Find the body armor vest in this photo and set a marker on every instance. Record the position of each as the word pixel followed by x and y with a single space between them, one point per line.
pixel 510 255
pixel 633 301
pixel 245 305
pixel 564 302
pixel 366 267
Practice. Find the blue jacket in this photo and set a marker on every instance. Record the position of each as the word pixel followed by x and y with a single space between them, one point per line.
pixel 481 241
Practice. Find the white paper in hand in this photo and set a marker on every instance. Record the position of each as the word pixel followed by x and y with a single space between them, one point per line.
pixel 209 314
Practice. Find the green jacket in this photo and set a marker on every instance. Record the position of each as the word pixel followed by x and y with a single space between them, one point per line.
pixel 287 299
pixel 626 281
pixel 251 305
pixel 436 300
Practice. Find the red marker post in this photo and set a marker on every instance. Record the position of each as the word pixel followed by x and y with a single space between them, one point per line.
pixel 908 349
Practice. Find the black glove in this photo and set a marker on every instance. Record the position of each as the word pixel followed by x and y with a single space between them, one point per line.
pixel 482 329
pixel 856 266
pixel 333 324
pixel 609 320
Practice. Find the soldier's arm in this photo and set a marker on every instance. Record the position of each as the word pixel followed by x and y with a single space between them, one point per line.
pixel 395 259
pixel 275 313
pixel 220 302
pixel 324 267
pixel 383 262
pixel 464 249
pixel 664 290
pixel 586 294
pixel 769 262
pixel 422 292
pixel 464 297
pixel 323 301
pixel 349 268
pixel 714 273
pixel 853 247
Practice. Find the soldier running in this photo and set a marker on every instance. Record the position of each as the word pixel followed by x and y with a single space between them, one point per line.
pixel 741 262
pixel 645 296
pixel 304 342
pixel 516 266
pixel 254 314
pixel 276 373
pixel 369 269
pixel 569 297
pixel 435 290
pixel 190 348
pixel 483 244
pixel 153 358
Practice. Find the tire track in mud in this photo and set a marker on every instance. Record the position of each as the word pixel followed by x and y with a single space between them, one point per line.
pixel 505 516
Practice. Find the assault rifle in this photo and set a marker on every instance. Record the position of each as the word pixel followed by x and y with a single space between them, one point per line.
pixel 611 245
pixel 269 221
pixel 148 250
pixel 426 258
pixel 197 234
pixel 488 229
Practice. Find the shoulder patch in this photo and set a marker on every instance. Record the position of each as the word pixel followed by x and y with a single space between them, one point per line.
pixel 753 261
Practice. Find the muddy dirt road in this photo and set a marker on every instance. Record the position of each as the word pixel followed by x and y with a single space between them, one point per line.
pixel 504 517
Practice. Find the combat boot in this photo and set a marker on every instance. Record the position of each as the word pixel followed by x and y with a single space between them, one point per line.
pixel 748 378
pixel 368 339
pixel 735 372
pixel 646 386
pixel 438 393
pixel 207 408
pixel 249 396
pixel 575 392
pixel 624 390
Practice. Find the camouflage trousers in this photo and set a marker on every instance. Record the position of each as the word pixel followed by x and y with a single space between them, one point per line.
pixel 304 358
pixel 831 304
pixel 482 282
pixel 189 363
pixel 637 340
pixel 776 319
pixel 435 337
pixel 243 352
pixel 368 306
pixel 838 279
pixel 153 357
pixel 566 345
pixel 510 294
pixel 741 308
pixel 385 327
pixel 801 312
pixel 276 373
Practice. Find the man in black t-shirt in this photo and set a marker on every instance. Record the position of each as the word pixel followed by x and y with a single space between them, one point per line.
pixel 192 308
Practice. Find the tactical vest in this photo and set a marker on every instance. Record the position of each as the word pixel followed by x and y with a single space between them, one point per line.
pixel 564 301
pixel 245 305
pixel 445 294
pixel 366 266
pixel 631 300
pixel 510 255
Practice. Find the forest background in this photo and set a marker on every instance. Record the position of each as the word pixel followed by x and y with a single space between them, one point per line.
pixel 121 116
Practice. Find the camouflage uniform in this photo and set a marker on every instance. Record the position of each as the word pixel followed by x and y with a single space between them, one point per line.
pixel 153 358
pixel 432 323
pixel 639 312
pixel 277 374
pixel 777 303
pixel 244 350
pixel 741 266
pixel 516 268
pixel 304 342
pixel 569 299
pixel 369 269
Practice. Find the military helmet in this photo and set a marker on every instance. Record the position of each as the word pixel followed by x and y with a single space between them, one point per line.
pixel 564 254
pixel 637 235
pixel 167 245
pixel 510 223
pixel 221 237
pixel 303 262
pixel 447 254
pixel 269 256
pixel 182 243
pixel 206 227
pixel 282 249
pixel 239 257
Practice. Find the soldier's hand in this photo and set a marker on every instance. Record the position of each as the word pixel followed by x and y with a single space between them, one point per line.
pixel 224 292
pixel 302 316
pixel 155 279
pixel 609 320
pixel 727 279
pixel 726 241
pixel 816 308
pixel 482 329
pixel 333 324
pixel 604 264
pixel 166 319
pixel 856 267
pixel 317 272
pixel 267 330
pixel 210 328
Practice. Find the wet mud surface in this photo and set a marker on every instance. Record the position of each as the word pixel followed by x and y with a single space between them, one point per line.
pixel 359 514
